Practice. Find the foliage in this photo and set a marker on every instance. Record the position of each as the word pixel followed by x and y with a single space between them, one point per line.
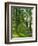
pixel 21 22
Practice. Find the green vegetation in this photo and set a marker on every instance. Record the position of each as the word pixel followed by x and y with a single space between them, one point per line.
pixel 21 21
